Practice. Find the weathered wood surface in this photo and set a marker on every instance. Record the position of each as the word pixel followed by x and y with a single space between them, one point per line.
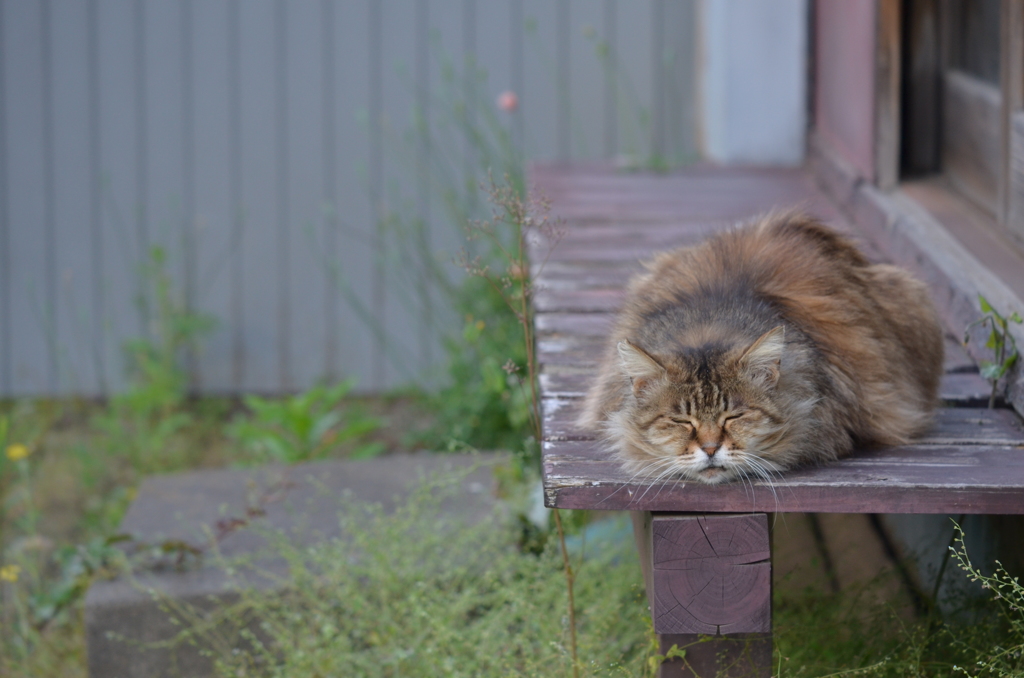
pixel 739 655
pixel 712 574
pixel 675 561
pixel 972 461
pixel 972 150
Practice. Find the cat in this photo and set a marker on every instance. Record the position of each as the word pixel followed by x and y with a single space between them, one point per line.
pixel 770 346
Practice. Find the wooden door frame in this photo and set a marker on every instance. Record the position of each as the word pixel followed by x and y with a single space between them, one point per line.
pixel 1009 206
pixel 888 42
pixel 1011 81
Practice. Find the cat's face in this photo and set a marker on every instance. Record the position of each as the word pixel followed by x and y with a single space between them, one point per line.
pixel 709 417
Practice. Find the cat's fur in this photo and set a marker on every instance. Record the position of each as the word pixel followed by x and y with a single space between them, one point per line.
pixel 770 346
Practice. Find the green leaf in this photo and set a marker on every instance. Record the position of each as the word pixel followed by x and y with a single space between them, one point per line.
pixel 985 306
pixel 1015 317
pixel 991 371
pixel 322 426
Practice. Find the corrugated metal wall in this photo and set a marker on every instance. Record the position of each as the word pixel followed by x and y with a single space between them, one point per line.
pixel 270 147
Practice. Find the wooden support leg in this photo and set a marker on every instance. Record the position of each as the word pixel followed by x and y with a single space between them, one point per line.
pixel 709 584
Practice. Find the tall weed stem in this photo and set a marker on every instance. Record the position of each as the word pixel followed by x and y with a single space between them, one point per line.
pixel 528 218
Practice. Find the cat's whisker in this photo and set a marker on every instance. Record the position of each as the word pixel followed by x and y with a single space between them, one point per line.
pixel 652 479
pixel 668 471
pixel 748 487
pixel 662 486
pixel 648 470
pixel 767 471
pixel 773 470
pixel 758 466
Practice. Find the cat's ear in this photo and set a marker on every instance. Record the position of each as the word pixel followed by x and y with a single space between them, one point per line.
pixel 761 361
pixel 639 366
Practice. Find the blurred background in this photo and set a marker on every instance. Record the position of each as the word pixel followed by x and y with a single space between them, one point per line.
pixel 277 189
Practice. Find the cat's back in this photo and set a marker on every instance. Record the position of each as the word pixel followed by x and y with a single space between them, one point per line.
pixel 781 255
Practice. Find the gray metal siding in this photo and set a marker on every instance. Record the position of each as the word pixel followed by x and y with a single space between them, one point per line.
pixel 267 146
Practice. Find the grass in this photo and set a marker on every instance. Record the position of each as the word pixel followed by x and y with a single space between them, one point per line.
pixel 488 596
pixel 61 503
pixel 414 593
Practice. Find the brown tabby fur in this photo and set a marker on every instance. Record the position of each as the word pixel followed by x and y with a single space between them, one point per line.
pixel 770 346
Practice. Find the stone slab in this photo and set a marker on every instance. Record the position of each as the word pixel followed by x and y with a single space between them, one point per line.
pixel 123 616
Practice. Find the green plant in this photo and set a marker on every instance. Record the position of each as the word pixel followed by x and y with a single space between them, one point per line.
pixel 481 404
pixel 418 592
pixel 142 419
pixel 1001 653
pixel 35 588
pixel 517 219
pixel 304 426
pixel 1000 342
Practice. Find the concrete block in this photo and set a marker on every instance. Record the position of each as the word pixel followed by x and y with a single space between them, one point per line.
pixel 126 616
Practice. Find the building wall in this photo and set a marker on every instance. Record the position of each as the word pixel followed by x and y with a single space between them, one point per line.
pixel 753 81
pixel 844 101
pixel 271 148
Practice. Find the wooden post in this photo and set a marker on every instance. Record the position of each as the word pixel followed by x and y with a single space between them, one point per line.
pixel 709 584
pixel 887 94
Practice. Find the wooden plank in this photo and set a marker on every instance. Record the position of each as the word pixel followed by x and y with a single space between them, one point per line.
pixel 913 479
pixel 700 192
pixel 559 420
pixel 952 425
pixel 566 381
pixel 628 253
pixel 972 152
pixel 955 357
pixel 967 426
pixel 578 301
pixel 965 389
pixel 584 275
pixel 975 231
pixel 577 324
pixel 968 463
pixel 562 351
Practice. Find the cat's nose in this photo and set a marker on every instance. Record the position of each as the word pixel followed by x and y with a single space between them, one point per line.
pixel 710 448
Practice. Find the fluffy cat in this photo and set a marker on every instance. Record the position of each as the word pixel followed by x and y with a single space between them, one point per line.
pixel 770 346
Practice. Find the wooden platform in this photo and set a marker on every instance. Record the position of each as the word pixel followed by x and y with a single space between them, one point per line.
pixel 971 462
